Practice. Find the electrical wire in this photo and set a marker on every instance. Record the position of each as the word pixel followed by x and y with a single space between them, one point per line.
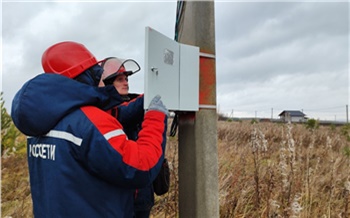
pixel 174 124
pixel 179 13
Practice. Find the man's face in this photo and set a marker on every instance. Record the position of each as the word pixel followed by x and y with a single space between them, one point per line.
pixel 121 84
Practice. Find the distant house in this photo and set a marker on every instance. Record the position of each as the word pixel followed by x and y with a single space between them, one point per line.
pixel 292 116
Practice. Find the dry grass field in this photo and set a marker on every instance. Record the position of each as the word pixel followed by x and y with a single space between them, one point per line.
pixel 265 170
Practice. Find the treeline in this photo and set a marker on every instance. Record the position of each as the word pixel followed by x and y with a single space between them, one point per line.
pixel 12 140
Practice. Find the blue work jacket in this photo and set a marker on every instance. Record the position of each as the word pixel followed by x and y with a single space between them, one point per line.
pixel 81 163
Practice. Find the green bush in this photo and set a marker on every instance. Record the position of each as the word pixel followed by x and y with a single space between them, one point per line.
pixel 346 151
pixel 345 130
pixel 312 124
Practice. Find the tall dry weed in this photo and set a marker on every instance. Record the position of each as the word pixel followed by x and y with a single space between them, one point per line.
pixel 15 192
pixel 300 174
pixel 265 170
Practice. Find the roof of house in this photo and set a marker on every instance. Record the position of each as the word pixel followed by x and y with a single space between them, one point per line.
pixel 292 113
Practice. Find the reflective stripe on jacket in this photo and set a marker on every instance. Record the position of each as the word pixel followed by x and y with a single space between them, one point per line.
pixel 84 165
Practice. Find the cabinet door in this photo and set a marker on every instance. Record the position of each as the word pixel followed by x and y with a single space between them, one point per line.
pixel 189 78
pixel 161 69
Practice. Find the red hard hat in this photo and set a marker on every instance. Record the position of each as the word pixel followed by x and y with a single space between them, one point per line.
pixel 68 59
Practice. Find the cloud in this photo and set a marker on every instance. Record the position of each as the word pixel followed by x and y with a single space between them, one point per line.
pixel 106 29
pixel 290 55
pixel 284 55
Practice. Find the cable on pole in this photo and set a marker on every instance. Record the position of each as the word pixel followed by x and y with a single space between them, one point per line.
pixel 179 15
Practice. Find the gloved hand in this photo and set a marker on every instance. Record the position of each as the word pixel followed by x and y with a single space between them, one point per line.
pixel 157 105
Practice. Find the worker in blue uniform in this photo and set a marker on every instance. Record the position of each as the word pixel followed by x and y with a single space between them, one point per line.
pixel 81 163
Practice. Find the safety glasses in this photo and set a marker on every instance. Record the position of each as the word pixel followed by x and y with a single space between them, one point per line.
pixel 110 79
pixel 114 66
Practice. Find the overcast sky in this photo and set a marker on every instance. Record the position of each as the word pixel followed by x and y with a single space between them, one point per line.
pixel 270 56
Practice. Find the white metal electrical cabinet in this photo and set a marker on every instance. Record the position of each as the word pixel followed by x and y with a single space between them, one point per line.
pixel 172 71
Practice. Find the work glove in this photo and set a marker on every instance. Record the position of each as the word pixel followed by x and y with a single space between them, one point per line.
pixel 157 105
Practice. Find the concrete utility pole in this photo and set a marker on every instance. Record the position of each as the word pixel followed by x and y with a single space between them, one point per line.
pixel 198 154
pixel 271 113
pixel 347 114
